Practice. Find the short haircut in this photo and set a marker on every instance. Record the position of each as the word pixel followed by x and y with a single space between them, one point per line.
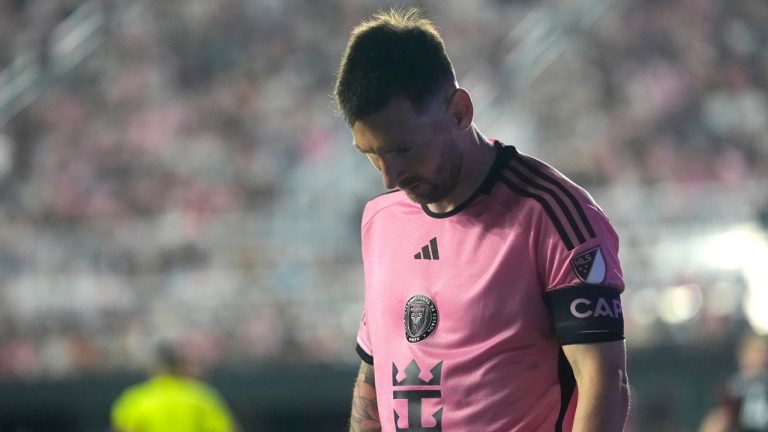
pixel 396 53
pixel 168 357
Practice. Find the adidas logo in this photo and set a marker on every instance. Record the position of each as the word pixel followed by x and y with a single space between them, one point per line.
pixel 429 251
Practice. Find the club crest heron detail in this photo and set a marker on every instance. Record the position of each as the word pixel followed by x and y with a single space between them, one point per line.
pixel 420 318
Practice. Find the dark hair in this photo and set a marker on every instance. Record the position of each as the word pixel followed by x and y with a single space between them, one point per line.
pixel 168 357
pixel 396 53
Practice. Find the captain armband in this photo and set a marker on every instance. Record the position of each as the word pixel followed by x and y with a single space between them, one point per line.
pixel 586 314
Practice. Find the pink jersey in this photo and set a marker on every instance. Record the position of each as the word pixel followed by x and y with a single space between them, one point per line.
pixel 466 311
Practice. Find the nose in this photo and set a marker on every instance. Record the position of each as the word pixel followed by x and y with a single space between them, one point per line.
pixel 391 170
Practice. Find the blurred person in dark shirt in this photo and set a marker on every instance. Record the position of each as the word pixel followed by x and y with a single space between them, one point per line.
pixel 743 407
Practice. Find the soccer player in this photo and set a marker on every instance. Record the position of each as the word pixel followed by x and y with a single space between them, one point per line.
pixel 491 280
pixel 170 401
pixel 743 406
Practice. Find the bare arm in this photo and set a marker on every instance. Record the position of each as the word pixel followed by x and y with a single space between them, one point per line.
pixel 718 420
pixel 601 379
pixel 365 407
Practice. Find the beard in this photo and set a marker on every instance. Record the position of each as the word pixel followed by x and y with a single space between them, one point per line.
pixel 422 190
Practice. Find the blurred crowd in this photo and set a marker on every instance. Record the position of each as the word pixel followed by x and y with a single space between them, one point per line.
pixel 658 91
pixel 190 179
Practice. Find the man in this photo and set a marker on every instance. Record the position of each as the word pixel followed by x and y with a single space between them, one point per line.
pixel 743 406
pixel 170 401
pixel 492 281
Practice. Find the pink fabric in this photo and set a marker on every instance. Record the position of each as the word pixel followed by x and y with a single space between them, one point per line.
pixel 494 335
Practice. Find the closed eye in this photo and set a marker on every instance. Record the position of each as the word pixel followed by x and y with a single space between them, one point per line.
pixel 361 150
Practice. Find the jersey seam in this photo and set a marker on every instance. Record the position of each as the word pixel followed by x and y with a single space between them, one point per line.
pixel 381 209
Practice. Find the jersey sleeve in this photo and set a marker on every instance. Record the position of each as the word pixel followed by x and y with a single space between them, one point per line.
pixel 364 341
pixel 124 410
pixel 582 277
pixel 372 208
pixel 216 415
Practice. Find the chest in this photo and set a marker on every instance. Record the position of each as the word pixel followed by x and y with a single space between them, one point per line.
pixel 453 283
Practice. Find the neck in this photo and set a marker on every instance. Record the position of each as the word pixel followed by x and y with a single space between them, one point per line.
pixel 478 155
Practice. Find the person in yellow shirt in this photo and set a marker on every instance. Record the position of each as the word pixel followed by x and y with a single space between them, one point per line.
pixel 170 401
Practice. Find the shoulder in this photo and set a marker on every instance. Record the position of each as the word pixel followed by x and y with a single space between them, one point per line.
pixel 381 203
pixel 570 208
pixel 202 391
pixel 529 175
pixel 135 390
pixel 127 403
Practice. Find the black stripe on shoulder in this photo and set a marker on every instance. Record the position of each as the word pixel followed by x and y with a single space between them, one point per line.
pixel 547 208
pixel 558 184
pixel 364 355
pixel 555 196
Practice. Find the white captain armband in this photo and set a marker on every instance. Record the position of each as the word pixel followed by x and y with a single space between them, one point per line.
pixel 586 314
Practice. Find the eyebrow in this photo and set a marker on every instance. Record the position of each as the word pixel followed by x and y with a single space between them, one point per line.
pixel 360 149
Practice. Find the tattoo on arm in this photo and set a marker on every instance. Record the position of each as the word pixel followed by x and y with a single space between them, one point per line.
pixel 365 407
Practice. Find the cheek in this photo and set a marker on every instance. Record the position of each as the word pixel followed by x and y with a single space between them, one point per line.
pixel 375 161
pixel 451 160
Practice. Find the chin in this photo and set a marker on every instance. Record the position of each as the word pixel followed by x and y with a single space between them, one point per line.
pixel 418 199
pixel 424 199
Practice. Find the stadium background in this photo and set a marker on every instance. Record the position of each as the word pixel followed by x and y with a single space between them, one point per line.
pixel 174 169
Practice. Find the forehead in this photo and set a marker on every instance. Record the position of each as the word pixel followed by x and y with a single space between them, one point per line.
pixel 397 122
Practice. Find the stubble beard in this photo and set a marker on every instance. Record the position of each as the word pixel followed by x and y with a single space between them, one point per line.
pixel 445 182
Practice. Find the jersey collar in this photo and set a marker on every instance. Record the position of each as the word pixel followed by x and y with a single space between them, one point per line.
pixel 503 154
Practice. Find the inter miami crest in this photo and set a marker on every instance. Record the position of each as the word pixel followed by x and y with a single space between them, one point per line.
pixel 590 266
pixel 420 318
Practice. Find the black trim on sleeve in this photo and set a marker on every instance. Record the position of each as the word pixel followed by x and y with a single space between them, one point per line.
pixel 586 314
pixel 567 387
pixel 364 355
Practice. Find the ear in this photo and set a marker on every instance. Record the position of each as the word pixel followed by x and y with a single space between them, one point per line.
pixel 462 110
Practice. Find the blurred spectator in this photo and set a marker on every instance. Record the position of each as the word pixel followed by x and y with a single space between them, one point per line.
pixel 744 405
pixel 194 146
